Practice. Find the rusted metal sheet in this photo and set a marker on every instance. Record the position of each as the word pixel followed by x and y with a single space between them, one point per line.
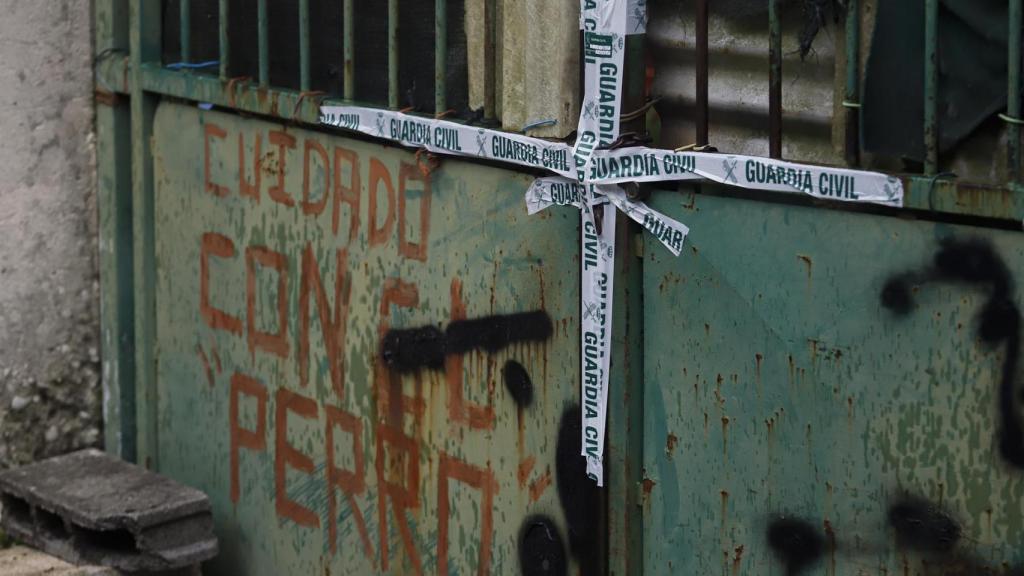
pixel 369 362
pixel 831 393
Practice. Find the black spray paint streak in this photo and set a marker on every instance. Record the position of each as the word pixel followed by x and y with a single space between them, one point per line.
pixel 518 383
pixel 541 550
pixel 923 526
pixel 579 496
pixel 411 349
pixel 975 263
pixel 797 543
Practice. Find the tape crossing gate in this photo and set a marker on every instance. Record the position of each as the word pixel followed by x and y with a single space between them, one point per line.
pixel 587 176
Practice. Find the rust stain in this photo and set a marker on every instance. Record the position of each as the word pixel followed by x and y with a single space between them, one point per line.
pixel 538 486
pixel 707 329
pixel 725 511
pixel 725 435
pixel 737 559
pixel 758 357
pixel 808 262
pixel 830 534
pixel 525 468
pixel 647 485
pixel 670 443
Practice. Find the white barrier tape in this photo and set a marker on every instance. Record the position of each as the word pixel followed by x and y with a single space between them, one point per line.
pixel 669 232
pixel 622 165
pixel 636 17
pixel 637 21
pixel 557 191
pixel 604 24
pixel 597 285
pixel 446 137
pixel 604 45
pixel 653 165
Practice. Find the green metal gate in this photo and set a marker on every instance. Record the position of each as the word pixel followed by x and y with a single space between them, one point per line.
pixel 808 389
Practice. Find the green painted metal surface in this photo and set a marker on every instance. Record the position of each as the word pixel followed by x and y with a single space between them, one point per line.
pixel 250 404
pixel 778 386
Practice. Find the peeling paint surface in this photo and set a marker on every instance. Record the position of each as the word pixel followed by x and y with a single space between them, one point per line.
pixel 835 382
pixel 370 368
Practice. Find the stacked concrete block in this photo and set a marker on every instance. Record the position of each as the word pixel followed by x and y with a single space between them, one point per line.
pixel 91 508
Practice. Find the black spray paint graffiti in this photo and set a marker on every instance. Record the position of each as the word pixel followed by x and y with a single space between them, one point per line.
pixel 975 263
pixel 918 525
pixel 411 349
pixel 542 550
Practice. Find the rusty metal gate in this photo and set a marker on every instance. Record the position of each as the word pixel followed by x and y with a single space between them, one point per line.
pixel 370 361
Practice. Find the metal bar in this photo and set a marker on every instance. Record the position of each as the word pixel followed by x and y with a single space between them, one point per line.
pixel 304 45
pixel 774 81
pixel 145 41
pixel 264 43
pixel 393 53
pixel 490 57
pixel 851 103
pixel 114 193
pixel 931 86
pixel 185 33
pixel 349 41
pixel 1013 106
pixel 440 56
pixel 225 45
pixel 702 73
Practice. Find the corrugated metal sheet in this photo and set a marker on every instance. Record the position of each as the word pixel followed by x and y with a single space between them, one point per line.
pixel 738 80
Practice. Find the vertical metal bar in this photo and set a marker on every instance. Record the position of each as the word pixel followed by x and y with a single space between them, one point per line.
pixel 490 57
pixel 225 45
pixel 851 102
pixel 931 86
pixel 349 42
pixel 264 42
pixel 185 33
pixel 304 45
pixel 145 41
pixel 1013 106
pixel 393 53
pixel 117 294
pixel 774 81
pixel 702 73
pixel 440 56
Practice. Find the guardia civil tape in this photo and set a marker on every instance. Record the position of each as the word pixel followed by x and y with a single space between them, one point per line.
pixel 652 165
pixel 557 191
pixel 637 164
pixel 604 24
pixel 636 21
pixel 446 137
pixel 597 285
pixel 604 44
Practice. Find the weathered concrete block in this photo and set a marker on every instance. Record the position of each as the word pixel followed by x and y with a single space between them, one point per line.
pixel 90 507
pixel 20 561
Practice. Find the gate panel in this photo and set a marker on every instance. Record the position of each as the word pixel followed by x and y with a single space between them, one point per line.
pixel 365 364
pixel 821 398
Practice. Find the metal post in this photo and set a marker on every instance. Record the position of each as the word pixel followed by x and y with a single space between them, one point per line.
pixel 774 81
pixel 440 55
pixel 393 53
pixel 702 73
pixel 1013 106
pixel 225 45
pixel 931 86
pixel 304 45
pixel 490 57
pixel 264 46
pixel 145 42
pixel 185 33
pixel 349 41
pixel 851 102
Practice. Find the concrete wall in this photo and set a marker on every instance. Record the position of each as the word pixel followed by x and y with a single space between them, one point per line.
pixel 49 359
